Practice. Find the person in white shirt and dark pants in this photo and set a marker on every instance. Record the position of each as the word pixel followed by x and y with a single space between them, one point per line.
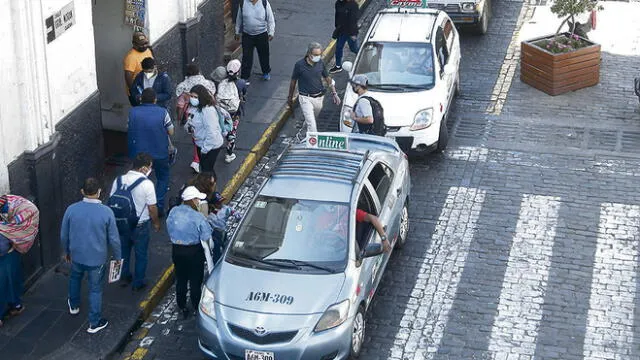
pixel 256 24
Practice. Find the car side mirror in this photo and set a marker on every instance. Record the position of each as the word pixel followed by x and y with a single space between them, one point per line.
pixel 449 69
pixel 372 250
pixel 347 66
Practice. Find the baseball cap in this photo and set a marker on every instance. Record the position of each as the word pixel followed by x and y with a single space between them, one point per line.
pixel 191 193
pixel 360 79
pixel 139 38
pixel 219 74
pixel 217 197
pixel 233 66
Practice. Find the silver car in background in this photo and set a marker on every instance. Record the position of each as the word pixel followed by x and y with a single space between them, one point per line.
pixel 299 273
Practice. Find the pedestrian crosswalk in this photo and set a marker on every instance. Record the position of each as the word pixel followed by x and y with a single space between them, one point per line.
pixel 610 330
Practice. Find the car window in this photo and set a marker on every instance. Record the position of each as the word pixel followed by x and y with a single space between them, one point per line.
pixel 380 178
pixel 364 229
pixel 441 48
pixel 389 64
pixel 449 34
pixel 292 229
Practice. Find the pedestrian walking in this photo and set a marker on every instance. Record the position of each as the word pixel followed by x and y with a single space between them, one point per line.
pixel 367 113
pixel 228 98
pixel 308 74
pixel 133 60
pixel 88 228
pixel 233 70
pixel 193 78
pixel 346 30
pixel 256 24
pixel 19 221
pixel 204 124
pixel 149 129
pixel 135 234
pixel 150 77
pixel 188 229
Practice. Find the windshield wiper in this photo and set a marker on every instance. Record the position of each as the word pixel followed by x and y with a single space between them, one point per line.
pixel 299 263
pixel 400 86
pixel 246 256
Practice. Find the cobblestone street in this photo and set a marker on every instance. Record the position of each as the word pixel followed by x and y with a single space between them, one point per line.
pixel 524 237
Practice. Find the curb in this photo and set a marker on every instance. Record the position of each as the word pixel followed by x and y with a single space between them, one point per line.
pixel 160 289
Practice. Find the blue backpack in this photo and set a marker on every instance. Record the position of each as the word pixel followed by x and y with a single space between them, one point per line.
pixel 123 207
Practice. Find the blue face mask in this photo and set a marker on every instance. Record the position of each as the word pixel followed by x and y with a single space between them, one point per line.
pixel 194 102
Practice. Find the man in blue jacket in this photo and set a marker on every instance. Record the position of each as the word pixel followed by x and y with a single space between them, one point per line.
pixel 150 77
pixel 88 227
pixel 149 129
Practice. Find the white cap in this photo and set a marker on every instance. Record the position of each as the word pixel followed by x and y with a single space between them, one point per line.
pixel 191 193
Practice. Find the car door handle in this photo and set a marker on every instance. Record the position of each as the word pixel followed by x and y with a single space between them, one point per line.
pixel 399 191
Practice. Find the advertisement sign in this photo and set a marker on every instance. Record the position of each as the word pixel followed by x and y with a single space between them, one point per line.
pixel 135 13
pixel 328 142
pixel 58 23
pixel 408 3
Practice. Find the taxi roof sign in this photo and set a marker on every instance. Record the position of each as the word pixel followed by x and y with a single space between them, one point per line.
pixel 407 3
pixel 332 141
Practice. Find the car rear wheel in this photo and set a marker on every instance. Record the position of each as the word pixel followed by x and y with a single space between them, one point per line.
pixel 357 335
pixel 404 227
pixel 443 137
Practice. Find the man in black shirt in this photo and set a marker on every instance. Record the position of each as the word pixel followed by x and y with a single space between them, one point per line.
pixel 308 74
pixel 346 22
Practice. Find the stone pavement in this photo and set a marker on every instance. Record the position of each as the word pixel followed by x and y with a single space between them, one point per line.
pixel 46 330
pixel 524 240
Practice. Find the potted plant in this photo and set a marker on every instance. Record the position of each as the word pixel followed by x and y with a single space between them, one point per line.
pixel 564 61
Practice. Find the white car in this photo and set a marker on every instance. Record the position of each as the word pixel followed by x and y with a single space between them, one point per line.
pixel 411 58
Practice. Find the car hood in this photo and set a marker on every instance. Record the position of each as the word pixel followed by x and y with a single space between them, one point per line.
pixel 276 292
pixel 400 108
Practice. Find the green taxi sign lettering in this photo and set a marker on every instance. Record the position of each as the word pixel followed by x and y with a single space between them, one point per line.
pixel 408 3
pixel 329 142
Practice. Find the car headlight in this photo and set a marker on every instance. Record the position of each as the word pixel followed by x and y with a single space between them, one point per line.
pixel 207 302
pixel 468 7
pixel 334 316
pixel 422 119
pixel 346 116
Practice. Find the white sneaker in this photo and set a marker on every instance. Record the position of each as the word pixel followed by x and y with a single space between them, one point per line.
pixel 229 158
pixel 72 311
pixel 195 166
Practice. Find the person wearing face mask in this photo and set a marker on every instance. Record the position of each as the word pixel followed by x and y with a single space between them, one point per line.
pixel 204 124
pixel 88 229
pixel 144 199
pixel 150 77
pixel 308 74
pixel 188 230
pixel 149 128
pixel 133 60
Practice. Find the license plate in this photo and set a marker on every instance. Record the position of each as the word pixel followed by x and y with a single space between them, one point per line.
pixel 258 355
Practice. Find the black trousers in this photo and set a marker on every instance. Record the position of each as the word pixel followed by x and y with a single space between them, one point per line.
pixel 189 264
pixel 208 160
pixel 259 42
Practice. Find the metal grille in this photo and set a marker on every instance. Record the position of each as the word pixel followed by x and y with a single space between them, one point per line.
pixel 272 338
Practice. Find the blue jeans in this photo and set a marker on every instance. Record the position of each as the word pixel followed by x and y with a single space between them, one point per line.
pixel 161 167
pixel 11 281
pixel 340 41
pixel 139 241
pixel 95 278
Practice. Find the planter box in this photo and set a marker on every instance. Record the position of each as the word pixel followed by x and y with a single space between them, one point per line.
pixel 559 73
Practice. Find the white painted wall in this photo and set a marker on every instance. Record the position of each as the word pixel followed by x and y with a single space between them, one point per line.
pixel 162 16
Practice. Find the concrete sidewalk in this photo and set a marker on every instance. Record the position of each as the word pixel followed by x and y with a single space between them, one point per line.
pixel 46 330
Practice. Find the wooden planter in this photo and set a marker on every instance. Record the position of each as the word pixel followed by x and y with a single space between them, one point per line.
pixel 559 73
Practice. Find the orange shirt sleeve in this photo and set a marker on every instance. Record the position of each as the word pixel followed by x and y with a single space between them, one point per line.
pixel 360 215
pixel 130 62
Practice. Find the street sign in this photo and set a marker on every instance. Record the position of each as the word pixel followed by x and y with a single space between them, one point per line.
pixel 135 14
pixel 408 3
pixel 329 142
pixel 58 23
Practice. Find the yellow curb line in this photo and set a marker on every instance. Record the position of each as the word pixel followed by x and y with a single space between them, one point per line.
pixel 243 172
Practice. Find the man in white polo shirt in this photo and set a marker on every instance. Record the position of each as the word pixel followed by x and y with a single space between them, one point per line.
pixel 144 199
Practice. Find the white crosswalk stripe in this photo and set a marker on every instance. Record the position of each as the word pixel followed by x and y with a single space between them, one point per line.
pixel 610 330
pixel 515 326
pixel 443 263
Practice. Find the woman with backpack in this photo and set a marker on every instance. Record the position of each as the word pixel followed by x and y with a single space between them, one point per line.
pixel 205 125
pixel 229 96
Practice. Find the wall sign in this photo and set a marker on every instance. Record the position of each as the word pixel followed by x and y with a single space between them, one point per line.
pixel 135 12
pixel 60 22
pixel 408 3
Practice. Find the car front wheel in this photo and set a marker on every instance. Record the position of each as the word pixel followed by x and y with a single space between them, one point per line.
pixel 443 137
pixel 483 24
pixel 357 335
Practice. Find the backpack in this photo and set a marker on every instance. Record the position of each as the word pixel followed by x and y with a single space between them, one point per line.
pixel 123 207
pixel 264 3
pixel 378 128
pixel 225 120
pixel 227 96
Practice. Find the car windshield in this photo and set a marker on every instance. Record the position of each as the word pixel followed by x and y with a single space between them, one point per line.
pixel 390 65
pixel 295 235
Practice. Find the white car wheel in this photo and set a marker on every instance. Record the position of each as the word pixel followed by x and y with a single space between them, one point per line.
pixel 357 336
